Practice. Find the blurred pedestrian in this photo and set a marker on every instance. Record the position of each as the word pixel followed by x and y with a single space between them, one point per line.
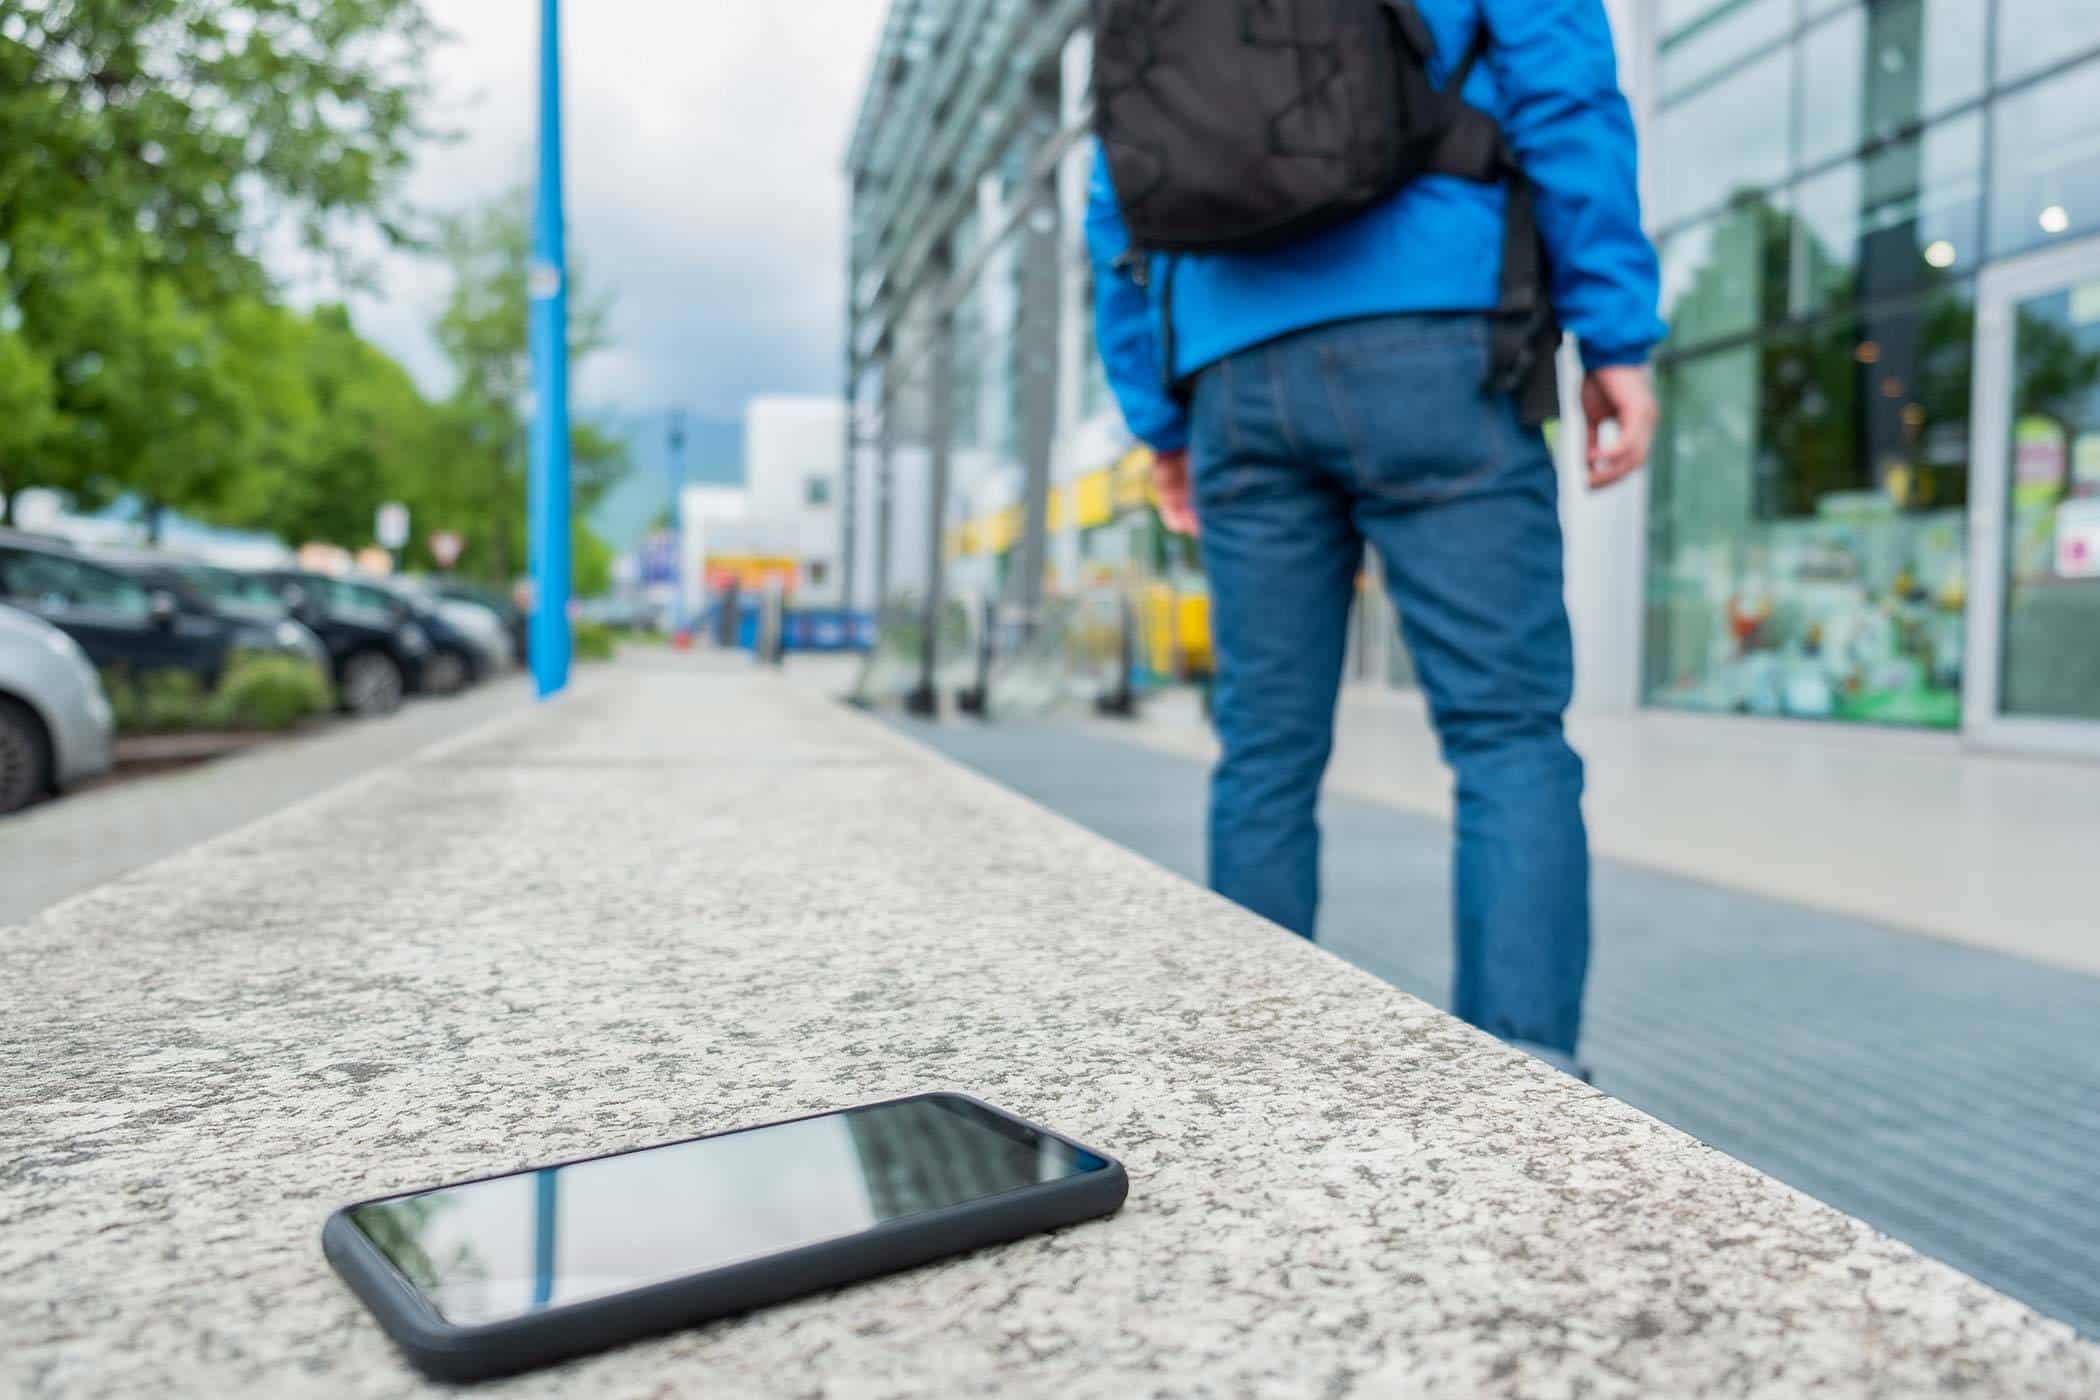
pixel 1335 245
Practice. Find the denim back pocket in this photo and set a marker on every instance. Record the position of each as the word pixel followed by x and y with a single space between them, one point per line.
pixel 1410 395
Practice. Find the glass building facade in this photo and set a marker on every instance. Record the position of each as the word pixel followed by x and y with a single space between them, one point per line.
pixel 1876 493
pixel 1831 185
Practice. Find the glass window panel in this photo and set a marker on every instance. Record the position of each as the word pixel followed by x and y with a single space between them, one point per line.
pixel 1729 138
pixel 1680 14
pixel 1870 72
pixel 1924 57
pixel 1809 554
pixel 2047 177
pixel 63 587
pixel 2033 34
pixel 1727 275
pixel 1699 502
pixel 1832 60
pixel 1907 218
pixel 2050 667
pixel 359 603
pixel 1722 42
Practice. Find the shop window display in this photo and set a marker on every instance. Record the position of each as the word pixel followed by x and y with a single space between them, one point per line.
pixel 1810 547
pixel 2051 666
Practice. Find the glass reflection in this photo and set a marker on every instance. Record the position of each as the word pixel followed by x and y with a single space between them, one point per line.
pixel 2047 166
pixel 1723 141
pixel 1692 57
pixel 1725 276
pixel 503 1248
pixel 1906 219
pixel 1868 73
pixel 2051 652
pixel 2032 34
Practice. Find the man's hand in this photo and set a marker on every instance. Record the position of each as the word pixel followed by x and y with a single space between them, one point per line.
pixel 1624 395
pixel 1170 482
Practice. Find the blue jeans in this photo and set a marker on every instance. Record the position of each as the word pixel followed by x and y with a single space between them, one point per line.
pixel 1379 431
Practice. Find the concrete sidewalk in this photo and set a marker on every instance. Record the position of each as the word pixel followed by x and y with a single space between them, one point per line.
pixel 88 838
pixel 689 897
pixel 1902 828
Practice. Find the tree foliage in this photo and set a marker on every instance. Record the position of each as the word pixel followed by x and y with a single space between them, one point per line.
pixel 145 146
pixel 147 149
pixel 483 331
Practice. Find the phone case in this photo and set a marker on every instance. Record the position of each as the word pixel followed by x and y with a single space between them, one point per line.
pixel 447 1352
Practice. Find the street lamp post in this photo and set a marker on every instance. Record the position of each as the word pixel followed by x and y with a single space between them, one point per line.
pixel 549 290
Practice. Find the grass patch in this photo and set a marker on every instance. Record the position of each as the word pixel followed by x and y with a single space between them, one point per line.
pixel 592 641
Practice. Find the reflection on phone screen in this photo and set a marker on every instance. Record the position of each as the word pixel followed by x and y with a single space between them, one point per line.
pixel 491 1250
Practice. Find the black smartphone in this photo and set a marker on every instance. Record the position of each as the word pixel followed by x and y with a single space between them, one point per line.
pixel 498 1275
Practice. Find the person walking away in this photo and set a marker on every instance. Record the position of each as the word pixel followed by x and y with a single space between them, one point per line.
pixel 1335 244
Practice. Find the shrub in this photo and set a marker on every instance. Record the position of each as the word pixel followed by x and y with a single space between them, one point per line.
pixel 155 702
pixel 257 692
pixel 593 642
pixel 269 693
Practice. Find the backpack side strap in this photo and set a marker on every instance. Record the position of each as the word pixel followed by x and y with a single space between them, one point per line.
pixel 1526 337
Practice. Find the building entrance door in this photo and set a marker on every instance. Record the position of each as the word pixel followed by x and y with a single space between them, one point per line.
pixel 2033 672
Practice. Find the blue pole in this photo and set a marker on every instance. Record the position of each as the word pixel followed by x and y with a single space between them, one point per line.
pixel 549 290
pixel 678 518
pixel 545 1198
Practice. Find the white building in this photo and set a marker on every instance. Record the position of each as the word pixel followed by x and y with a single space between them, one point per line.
pixel 794 466
pixel 708 516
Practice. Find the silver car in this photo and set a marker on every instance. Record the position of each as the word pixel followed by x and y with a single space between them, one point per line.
pixel 55 723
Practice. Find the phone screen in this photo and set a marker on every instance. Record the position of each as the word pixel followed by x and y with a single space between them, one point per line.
pixel 494 1250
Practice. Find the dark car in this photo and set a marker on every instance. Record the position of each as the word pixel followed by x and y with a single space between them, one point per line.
pixel 120 620
pixel 375 646
pixel 261 621
pixel 455 662
pixel 516 620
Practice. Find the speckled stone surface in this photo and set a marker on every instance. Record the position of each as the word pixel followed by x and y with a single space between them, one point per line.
pixel 687 898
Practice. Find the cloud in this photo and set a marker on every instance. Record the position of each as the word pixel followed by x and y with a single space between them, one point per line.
pixel 705 188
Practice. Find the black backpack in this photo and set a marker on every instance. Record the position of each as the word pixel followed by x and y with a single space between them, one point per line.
pixel 1243 125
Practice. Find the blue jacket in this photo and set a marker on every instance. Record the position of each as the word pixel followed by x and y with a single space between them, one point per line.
pixel 1550 77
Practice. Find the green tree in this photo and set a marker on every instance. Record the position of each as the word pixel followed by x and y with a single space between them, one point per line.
pixel 142 145
pixel 158 114
pixel 476 483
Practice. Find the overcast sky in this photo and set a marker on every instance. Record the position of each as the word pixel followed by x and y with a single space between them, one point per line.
pixel 705 141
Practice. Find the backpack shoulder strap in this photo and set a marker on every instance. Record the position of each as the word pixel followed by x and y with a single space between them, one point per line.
pixel 1472 148
pixel 1475 51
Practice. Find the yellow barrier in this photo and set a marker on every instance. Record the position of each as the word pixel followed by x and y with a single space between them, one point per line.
pixel 1192 626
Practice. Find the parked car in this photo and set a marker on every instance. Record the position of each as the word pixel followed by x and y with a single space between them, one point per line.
pixel 457 658
pixel 121 620
pixel 245 596
pixel 261 622
pixel 480 624
pixel 56 726
pixel 377 649
pixel 516 621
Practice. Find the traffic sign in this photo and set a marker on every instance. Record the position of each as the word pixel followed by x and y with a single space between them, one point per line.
pixel 446 546
pixel 390 527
